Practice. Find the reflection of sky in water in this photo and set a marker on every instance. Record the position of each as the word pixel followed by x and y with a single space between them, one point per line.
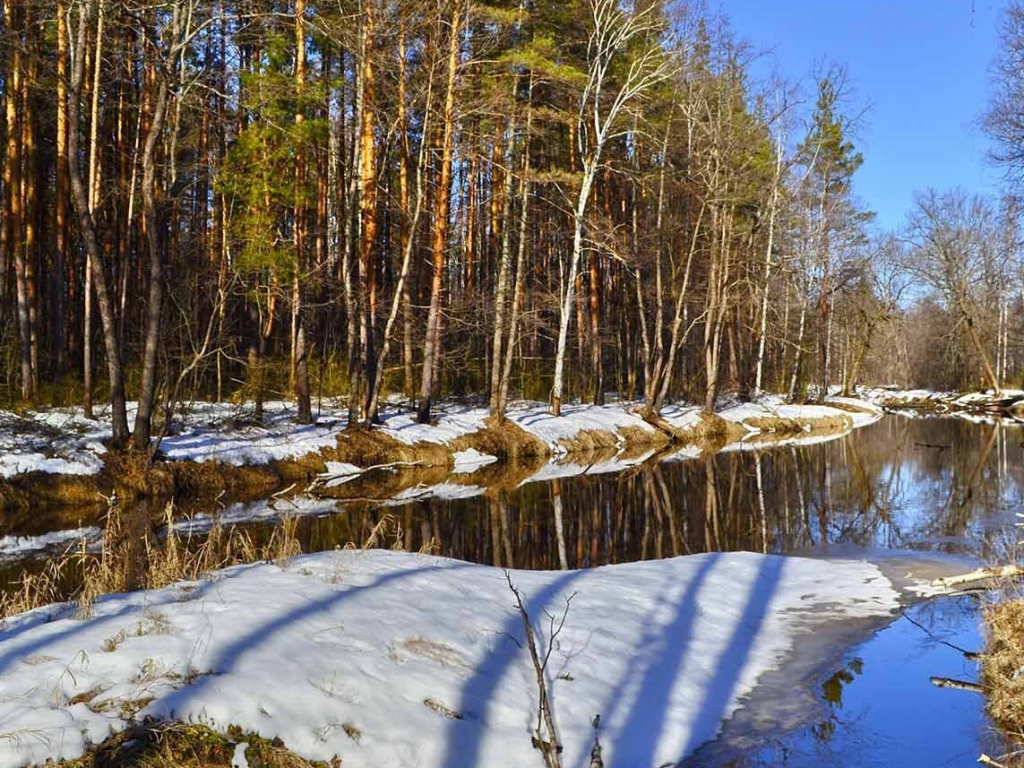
pixel 940 484
pixel 879 708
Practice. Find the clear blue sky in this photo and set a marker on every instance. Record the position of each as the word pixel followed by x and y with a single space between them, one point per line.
pixel 920 66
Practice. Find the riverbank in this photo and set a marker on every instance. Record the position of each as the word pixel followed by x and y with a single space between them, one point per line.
pixel 1009 402
pixel 385 658
pixel 58 457
pixel 1002 664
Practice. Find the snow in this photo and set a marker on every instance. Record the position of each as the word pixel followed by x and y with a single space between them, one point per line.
pixel 471 460
pixel 238 759
pixel 55 441
pixel 277 438
pixel 575 419
pixel 450 423
pixel 680 416
pixel 20 547
pixel 773 406
pixel 386 642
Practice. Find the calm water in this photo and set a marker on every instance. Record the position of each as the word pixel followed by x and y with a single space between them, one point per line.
pixel 901 488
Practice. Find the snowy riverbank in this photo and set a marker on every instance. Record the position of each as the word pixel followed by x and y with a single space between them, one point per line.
pixel 63 442
pixel 393 659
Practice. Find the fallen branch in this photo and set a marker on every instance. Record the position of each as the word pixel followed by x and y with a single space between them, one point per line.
pixel 959 685
pixel 327 477
pixel 986 760
pixel 1003 572
pixel 547 742
pixel 967 654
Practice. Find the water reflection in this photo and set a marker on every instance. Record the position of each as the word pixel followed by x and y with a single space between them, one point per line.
pixel 879 707
pixel 929 484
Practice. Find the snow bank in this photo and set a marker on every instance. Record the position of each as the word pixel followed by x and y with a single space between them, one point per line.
pixel 423 657
pixel 450 423
pixel 576 419
pixel 212 432
pixel 63 441
pixel 773 406
pixel 55 441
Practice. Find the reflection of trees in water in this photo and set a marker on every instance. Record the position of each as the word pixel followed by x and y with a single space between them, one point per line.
pixel 901 482
pixel 927 483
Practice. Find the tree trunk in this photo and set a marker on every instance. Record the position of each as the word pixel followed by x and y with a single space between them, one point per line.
pixel 13 86
pixel 504 266
pixel 119 418
pixel 300 349
pixel 367 217
pixel 61 202
pixel 431 347
pixel 154 301
pixel 569 298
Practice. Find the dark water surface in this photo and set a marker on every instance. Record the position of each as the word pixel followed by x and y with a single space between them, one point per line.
pixel 901 488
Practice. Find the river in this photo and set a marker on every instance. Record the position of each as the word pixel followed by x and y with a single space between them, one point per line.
pixel 901 491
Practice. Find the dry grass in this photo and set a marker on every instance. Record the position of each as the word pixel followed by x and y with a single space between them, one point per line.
pixel 1003 662
pixel 127 561
pixel 504 439
pixel 184 745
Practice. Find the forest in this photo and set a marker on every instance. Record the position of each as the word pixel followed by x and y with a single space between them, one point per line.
pixel 251 199
pixel 451 383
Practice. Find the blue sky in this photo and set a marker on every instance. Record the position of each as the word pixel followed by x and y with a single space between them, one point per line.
pixel 920 66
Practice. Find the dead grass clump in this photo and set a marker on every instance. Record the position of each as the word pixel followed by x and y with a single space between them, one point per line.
pixel 154 744
pixel 1003 663
pixel 636 441
pixel 591 440
pixel 365 448
pixel 128 561
pixel 711 432
pixel 284 544
pixel 388 528
pixel 132 476
pixel 504 439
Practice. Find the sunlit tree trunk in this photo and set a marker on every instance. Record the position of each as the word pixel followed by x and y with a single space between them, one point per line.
pixel 367 216
pixel 431 347
pixel 300 347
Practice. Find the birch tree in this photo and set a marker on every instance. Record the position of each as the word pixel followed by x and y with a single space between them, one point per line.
pixel 602 104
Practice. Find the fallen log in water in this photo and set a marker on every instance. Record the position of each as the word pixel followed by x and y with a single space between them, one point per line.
pixel 1002 572
pixel 959 685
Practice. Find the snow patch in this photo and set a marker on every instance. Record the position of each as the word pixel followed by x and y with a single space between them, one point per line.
pixel 665 651
pixel 471 460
